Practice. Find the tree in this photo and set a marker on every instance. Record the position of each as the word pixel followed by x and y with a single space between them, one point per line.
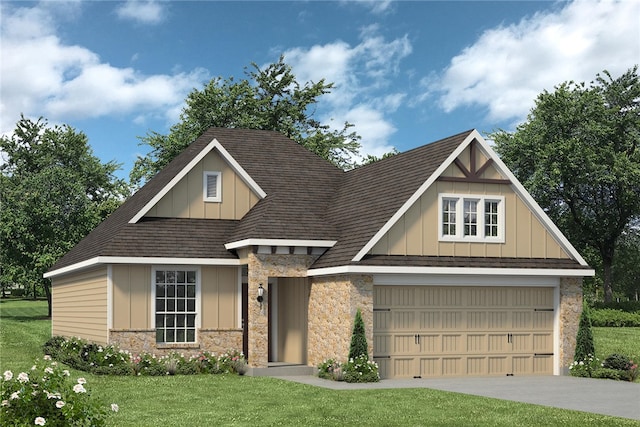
pixel 268 99
pixel 358 345
pixel 578 156
pixel 584 339
pixel 626 265
pixel 54 191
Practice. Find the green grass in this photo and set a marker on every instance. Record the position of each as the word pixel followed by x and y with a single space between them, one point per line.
pixel 233 400
pixel 617 340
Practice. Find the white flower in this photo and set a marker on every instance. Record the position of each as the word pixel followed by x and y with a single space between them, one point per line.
pixel 59 404
pixel 82 381
pixel 66 373
pixel 5 403
pixel 48 370
pixel 79 389
pixel 8 375
pixel 47 357
pixel 15 395
pixel 23 377
pixel 115 407
pixel 39 421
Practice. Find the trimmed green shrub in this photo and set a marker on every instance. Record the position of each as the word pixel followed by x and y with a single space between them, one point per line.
pixel 617 361
pixel 612 374
pixel 626 306
pixel 584 338
pixel 585 367
pixel 608 317
pixel 361 370
pixel 359 345
pixel 331 370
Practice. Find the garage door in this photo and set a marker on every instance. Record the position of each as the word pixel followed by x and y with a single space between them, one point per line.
pixel 429 331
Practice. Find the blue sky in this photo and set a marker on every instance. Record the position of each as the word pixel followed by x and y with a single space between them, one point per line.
pixel 406 72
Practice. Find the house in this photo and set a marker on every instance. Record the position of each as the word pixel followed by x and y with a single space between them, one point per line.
pixel 248 241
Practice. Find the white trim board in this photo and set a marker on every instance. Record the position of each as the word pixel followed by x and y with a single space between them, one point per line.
pixel 279 242
pixel 139 260
pixel 206 150
pixel 459 271
pixel 502 168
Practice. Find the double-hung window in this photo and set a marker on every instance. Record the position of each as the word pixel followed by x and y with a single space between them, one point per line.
pixel 464 218
pixel 176 300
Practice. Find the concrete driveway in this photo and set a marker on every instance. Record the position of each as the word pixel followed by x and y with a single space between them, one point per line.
pixel 607 397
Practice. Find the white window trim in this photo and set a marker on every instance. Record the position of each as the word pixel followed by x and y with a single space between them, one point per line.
pixel 205 177
pixel 198 321
pixel 481 199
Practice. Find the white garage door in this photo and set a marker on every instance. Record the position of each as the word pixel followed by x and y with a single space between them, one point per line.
pixel 429 331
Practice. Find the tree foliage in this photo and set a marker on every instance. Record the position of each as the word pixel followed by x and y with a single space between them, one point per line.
pixel 578 156
pixel 358 345
pixel 53 192
pixel 267 99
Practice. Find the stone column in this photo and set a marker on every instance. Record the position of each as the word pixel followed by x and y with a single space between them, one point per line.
pixel 570 311
pixel 258 317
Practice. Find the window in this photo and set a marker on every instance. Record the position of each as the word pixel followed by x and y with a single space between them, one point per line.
pixel 212 187
pixel 471 218
pixel 176 295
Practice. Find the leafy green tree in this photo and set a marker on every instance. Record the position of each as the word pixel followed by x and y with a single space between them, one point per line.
pixel 267 99
pixel 358 345
pixel 626 266
pixel 584 338
pixel 54 191
pixel 578 156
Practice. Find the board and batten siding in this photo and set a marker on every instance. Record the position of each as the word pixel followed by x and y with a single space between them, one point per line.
pixel 185 199
pixel 132 305
pixel 417 231
pixel 79 305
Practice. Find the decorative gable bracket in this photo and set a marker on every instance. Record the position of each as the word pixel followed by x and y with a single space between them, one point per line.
pixel 474 173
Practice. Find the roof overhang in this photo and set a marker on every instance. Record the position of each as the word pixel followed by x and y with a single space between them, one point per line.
pixel 280 242
pixel 448 271
pixel 105 260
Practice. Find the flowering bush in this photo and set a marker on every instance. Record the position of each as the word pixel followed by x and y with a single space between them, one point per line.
pixel 47 396
pixel 356 370
pixel 109 360
pixel 585 367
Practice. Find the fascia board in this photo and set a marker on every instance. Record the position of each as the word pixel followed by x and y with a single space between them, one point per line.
pixel 105 260
pixel 416 195
pixel 280 242
pixel 460 271
pixel 214 144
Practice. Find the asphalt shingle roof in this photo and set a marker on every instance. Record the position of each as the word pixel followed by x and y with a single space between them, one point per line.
pixel 307 199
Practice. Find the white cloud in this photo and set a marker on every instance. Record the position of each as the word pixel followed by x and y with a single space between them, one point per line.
pixel 507 67
pixel 361 75
pixel 71 81
pixel 143 12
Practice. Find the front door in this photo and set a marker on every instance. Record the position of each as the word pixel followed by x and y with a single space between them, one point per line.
pixel 288 309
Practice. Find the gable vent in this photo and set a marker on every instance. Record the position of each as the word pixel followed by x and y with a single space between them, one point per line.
pixel 212 187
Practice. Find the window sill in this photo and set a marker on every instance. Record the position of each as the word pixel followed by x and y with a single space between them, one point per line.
pixel 177 346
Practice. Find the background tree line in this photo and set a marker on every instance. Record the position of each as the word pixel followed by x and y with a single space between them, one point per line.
pixel 577 154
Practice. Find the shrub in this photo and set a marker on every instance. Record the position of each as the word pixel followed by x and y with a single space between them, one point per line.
pixel 47 396
pixel 584 367
pixel 584 338
pixel 608 317
pixel 617 361
pixel 331 370
pixel 627 306
pixel 358 345
pixel 361 370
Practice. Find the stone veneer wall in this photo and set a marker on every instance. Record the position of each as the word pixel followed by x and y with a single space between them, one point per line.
pixel 261 267
pixel 333 303
pixel 213 341
pixel 570 310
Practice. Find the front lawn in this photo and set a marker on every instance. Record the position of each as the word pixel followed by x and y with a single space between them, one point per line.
pixel 234 400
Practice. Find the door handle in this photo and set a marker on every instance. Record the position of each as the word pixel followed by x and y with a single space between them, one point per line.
pixel 416 339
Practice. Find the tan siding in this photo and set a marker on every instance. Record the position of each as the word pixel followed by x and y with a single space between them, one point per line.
pixel 416 232
pixel 131 296
pixel 79 303
pixel 185 199
pixel 219 294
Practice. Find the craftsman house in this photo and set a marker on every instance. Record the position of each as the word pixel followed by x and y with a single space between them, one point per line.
pixel 248 241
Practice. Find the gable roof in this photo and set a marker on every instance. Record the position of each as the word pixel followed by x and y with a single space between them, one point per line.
pixel 304 201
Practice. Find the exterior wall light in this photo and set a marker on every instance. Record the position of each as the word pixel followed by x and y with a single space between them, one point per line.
pixel 260 293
